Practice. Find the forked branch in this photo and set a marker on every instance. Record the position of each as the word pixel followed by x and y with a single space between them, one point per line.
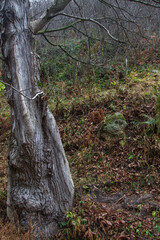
pixel 57 6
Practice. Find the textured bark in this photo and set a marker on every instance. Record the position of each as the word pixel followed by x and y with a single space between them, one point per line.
pixel 40 187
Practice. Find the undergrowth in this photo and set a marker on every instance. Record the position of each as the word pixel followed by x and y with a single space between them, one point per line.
pixel 80 98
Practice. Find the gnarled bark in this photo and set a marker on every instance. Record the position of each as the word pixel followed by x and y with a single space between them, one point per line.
pixel 40 187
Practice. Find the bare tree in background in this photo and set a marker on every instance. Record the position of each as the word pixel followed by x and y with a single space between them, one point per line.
pixel 114 23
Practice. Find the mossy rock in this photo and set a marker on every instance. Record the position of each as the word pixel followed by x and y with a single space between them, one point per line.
pixel 112 127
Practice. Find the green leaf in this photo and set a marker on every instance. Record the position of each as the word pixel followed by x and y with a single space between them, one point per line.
pixel 2 86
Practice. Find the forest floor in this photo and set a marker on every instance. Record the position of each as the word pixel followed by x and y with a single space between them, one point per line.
pixel 117 183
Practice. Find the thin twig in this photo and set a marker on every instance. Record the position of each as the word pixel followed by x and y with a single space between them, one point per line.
pixel 147 3
pixel 119 200
pixel 89 20
pixel 67 53
pixel 58 29
pixel 39 93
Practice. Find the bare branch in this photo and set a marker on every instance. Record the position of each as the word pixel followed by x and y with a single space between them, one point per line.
pixel 113 6
pixel 93 21
pixel 20 92
pixel 58 29
pixel 57 6
pixel 68 54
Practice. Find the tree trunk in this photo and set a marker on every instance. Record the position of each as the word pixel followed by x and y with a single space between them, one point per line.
pixel 40 187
